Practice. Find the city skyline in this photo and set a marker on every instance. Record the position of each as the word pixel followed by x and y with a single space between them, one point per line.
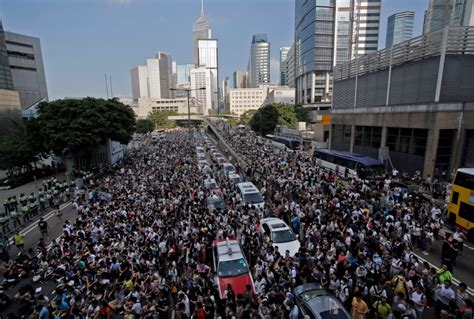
pixel 113 46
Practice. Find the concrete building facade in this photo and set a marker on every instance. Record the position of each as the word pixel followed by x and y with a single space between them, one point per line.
pixel 155 79
pixel 243 100
pixel 365 26
pixel 416 98
pixel 26 63
pixel 143 106
pixel 205 100
pixel 259 61
pixel 280 94
pixel 399 27
pixel 240 80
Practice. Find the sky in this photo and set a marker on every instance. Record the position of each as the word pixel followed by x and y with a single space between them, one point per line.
pixel 82 40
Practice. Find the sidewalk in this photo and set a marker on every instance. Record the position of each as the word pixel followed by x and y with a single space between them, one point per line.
pixel 26 188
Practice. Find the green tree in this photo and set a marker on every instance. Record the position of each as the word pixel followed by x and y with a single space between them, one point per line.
pixel 76 125
pixel 246 117
pixel 144 126
pixel 19 148
pixel 160 119
pixel 233 121
pixel 264 120
pixel 302 113
pixel 286 114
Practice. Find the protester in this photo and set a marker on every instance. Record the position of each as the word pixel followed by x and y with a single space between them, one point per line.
pixel 141 245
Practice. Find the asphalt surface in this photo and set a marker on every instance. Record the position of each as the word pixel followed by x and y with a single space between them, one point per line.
pixel 464 270
pixel 32 236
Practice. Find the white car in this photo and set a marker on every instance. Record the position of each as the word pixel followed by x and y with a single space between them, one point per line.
pixel 281 235
pixel 235 178
pixel 229 168
pixel 203 163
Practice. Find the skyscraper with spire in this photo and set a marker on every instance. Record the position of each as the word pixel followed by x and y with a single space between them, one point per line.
pixel 201 31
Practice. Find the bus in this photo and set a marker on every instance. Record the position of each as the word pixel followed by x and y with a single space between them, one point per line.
pixel 358 165
pixel 290 143
pixel 461 201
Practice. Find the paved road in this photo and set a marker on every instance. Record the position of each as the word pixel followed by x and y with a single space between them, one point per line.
pixel 32 236
pixel 464 270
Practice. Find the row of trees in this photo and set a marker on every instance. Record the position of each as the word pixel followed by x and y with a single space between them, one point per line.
pixel 65 127
pixel 265 119
pixel 156 120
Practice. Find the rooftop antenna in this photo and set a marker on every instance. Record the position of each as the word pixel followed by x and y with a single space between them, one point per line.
pixel 111 90
pixel 106 86
pixel 202 8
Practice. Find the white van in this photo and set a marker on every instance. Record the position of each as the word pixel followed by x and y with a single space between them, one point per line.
pixel 250 195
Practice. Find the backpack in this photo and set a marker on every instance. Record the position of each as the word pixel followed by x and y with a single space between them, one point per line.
pixel 401 286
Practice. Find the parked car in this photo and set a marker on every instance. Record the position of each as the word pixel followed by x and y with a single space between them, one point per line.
pixel 214 202
pixel 314 301
pixel 231 267
pixel 229 168
pixel 250 195
pixel 281 235
pixel 235 178
pixel 210 183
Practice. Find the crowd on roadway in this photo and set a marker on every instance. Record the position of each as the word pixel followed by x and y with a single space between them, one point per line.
pixel 19 210
pixel 145 251
pixel 358 236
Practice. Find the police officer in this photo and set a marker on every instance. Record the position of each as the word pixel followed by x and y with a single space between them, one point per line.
pixel 42 202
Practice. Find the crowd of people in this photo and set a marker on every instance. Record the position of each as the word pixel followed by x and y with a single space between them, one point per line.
pixel 145 251
pixel 357 236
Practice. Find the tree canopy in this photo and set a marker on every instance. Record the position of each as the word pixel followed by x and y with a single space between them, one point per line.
pixel 160 119
pixel 246 117
pixel 20 146
pixel 265 119
pixel 144 126
pixel 77 124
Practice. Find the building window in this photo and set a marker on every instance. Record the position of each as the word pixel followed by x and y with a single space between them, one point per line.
pixel 368 136
pixel 407 140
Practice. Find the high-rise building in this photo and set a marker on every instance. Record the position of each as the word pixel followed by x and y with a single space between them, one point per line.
pixel 10 109
pixel 290 67
pixel 155 79
pixel 6 79
pixel 283 71
pixel 225 94
pixel 207 53
pixel 201 30
pixel 27 69
pixel 365 28
pixel 328 33
pixel 239 80
pixel 166 74
pixel 399 27
pixel 205 100
pixel 343 31
pixel 441 13
pixel 259 61
pixel 174 74
pixel 184 73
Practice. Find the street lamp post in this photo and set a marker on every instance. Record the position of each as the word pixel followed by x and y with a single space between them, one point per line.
pixel 188 91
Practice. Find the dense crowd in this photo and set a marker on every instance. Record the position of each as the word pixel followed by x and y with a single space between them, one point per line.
pixel 145 251
pixel 358 236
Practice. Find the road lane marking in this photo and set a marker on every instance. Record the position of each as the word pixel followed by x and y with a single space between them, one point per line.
pixel 33 225
pixel 455 281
